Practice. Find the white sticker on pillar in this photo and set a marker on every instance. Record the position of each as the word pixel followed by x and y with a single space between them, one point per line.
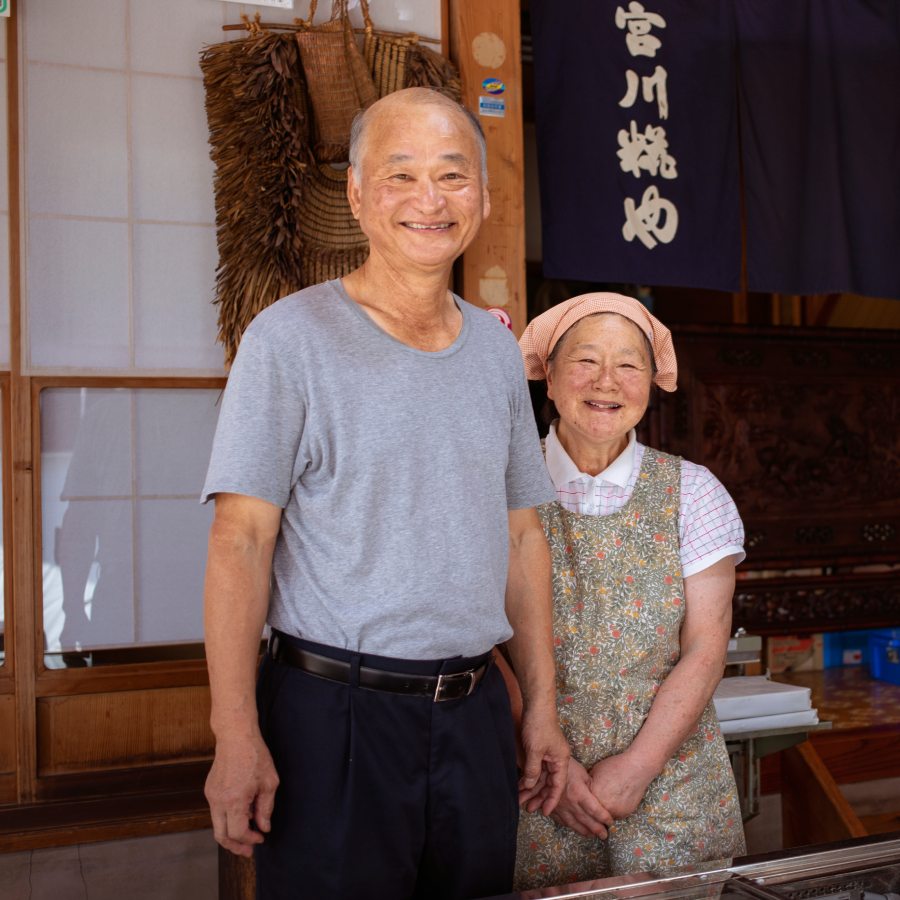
pixel 491 106
pixel 493 287
pixel 489 50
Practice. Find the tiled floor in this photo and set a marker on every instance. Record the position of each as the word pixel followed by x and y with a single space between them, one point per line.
pixel 168 867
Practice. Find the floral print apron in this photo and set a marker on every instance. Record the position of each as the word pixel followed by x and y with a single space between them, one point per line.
pixel 618 601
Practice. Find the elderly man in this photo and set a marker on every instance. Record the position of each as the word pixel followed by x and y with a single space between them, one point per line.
pixel 375 472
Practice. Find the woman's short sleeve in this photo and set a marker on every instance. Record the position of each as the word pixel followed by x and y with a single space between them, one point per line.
pixel 710 526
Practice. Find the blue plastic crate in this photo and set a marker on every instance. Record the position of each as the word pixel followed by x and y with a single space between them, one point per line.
pixel 846 648
pixel 884 655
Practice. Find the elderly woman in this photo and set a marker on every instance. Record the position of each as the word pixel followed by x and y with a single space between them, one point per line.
pixel 644 546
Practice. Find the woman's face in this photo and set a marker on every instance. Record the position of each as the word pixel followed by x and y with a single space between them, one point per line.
pixel 600 381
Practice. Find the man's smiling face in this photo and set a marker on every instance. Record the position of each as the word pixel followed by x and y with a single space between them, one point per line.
pixel 417 190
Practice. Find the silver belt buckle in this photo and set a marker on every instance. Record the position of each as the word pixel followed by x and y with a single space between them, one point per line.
pixel 444 680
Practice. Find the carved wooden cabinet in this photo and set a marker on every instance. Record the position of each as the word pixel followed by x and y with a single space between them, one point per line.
pixel 803 428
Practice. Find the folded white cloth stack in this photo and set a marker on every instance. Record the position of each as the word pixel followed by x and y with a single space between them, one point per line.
pixel 754 703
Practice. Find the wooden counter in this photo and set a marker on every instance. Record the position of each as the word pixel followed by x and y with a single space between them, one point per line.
pixel 864 742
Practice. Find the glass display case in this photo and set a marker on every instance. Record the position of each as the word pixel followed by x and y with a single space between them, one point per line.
pixel 862 869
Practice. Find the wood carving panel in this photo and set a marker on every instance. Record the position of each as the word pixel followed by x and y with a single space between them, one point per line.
pixel 800 604
pixel 802 427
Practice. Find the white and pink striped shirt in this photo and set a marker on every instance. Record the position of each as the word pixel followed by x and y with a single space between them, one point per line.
pixel 709 524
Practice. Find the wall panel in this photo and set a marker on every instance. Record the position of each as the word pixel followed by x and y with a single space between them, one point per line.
pixel 7 734
pixel 123 729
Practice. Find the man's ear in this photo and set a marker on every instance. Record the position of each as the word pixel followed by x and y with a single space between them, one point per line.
pixel 485 202
pixel 353 193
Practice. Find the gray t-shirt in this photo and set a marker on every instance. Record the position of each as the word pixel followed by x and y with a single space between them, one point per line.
pixel 395 468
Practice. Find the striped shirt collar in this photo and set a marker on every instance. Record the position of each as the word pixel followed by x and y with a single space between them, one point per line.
pixel 563 471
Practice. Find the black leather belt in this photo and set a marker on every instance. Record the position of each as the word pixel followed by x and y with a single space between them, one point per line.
pixel 452 686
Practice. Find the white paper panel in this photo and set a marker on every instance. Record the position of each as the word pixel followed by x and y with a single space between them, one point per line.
pixel 76 150
pixel 172 169
pixel 77 279
pixel 166 35
pixel 4 148
pixel 86 33
pixel 174 282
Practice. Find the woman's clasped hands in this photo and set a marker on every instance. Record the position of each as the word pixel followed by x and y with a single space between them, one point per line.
pixel 593 799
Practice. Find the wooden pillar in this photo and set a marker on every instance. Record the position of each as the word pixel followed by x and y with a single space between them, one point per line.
pixel 27 634
pixel 813 809
pixel 786 309
pixel 485 43
pixel 237 876
pixel 739 312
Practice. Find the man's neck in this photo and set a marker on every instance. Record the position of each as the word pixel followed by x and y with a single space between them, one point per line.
pixel 415 308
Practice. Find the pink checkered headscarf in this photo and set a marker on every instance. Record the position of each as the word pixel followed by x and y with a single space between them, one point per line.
pixel 544 331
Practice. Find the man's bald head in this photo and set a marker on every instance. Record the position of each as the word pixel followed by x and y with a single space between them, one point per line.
pixel 404 100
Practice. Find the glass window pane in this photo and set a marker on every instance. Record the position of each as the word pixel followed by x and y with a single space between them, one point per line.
pixel 124 537
pixel 2 548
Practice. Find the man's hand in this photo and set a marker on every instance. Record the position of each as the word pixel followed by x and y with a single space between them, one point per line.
pixel 528 605
pixel 620 783
pixel 240 790
pixel 579 809
pixel 546 760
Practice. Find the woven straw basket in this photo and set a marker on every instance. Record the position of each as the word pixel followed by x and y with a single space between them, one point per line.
pixel 337 78
pixel 332 243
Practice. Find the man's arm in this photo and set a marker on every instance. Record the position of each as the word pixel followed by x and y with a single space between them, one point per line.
pixel 242 782
pixel 528 607
pixel 578 808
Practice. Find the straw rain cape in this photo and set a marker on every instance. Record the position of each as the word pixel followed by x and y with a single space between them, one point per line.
pixel 258 118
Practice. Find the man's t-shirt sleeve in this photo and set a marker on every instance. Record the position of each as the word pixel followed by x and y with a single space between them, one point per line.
pixel 527 480
pixel 260 424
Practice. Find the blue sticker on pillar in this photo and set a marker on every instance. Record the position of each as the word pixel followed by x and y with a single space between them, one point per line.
pixel 493 86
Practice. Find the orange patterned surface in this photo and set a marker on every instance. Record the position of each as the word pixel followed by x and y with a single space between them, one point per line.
pixel 848 697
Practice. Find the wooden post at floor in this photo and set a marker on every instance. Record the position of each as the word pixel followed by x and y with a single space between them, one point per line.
pixel 485 43
pixel 813 809
pixel 237 876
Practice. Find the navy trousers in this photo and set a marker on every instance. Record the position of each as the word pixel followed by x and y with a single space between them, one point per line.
pixel 386 796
